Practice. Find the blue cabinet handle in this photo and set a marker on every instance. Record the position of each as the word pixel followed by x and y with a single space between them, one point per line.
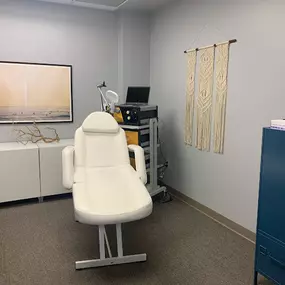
pixel 278 262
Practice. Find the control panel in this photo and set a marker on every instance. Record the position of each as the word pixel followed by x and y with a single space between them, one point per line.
pixel 135 114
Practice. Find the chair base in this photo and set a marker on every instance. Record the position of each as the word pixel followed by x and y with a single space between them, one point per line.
pixel 103 261
pixel 110 261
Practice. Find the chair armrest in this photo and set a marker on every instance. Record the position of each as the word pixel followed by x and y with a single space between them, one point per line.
pixel 140 161
pixel 68 167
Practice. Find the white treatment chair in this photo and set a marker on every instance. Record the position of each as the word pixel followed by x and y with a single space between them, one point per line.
pixel 106 188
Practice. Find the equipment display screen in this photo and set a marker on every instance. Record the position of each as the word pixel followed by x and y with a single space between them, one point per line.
pixel 138 95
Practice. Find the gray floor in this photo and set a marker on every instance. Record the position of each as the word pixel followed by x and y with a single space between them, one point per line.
pixel 40 242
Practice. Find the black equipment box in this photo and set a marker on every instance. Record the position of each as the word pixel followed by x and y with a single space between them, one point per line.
pixel 135 114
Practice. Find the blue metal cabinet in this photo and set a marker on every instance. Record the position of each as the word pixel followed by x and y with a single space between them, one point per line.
pixel 270 238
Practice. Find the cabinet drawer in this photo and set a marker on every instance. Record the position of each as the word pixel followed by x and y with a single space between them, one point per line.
pixel 270 259
pixel 137 137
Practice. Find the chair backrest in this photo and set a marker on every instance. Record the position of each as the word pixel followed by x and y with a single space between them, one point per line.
pixel 100 142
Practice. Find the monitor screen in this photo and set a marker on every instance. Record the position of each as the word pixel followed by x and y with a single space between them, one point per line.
pixel 138 94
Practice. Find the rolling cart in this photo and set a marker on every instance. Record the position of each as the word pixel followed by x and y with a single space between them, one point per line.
pixel 147 137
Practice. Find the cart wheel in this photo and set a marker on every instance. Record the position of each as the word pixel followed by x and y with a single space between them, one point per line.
pixel 166 197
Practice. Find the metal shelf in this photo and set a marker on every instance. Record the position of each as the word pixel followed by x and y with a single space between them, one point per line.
pixel 158 167
pixel 146 149
pixel 131 127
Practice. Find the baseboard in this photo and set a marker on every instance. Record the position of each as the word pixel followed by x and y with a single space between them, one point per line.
pixel 57 196
pixel 35 200
pixel 238 229
pixel 8 204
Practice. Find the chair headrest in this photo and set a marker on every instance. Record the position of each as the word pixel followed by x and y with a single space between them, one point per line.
pixel 100 122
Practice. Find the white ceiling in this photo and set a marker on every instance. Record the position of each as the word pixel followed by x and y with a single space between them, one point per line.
pixel 145 4
pixel 113 4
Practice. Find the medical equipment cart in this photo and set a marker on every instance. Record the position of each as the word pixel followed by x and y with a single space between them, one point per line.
pixel 147 137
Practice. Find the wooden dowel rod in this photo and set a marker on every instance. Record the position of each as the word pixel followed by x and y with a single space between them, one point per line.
pixel 214 45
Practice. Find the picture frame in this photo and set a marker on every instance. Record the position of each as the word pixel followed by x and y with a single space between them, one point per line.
pixel 35 93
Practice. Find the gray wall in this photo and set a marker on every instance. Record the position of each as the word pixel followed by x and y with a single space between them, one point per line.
pixel 86 38
pixel 226 183
pixel 43 32
pixel 134 50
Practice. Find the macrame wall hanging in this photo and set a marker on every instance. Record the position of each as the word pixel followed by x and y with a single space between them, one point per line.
pixel 215 57
pixel 204 100
pixel 190 95
pixel 222 59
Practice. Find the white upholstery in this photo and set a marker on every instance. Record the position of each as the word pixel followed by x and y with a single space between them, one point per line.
pixel 100 123
pixel 140 161
pixel 119 196
pixel 106 189
pixel 67 167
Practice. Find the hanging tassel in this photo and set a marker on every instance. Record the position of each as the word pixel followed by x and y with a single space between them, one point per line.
pixel 222 59
pixel 190 96
pixel 204 101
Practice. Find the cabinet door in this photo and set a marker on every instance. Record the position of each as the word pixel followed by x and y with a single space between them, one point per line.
pixel 19 173
pixel 270 259
pixel 271 215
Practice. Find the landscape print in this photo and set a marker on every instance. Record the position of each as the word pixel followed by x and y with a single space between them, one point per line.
pixel 35 93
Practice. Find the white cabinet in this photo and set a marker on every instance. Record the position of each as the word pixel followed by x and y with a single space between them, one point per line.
pixel 19 172
pixel 31 171
pixel 51 167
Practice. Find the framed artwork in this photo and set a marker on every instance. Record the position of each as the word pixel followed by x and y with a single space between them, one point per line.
pixel 35 92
